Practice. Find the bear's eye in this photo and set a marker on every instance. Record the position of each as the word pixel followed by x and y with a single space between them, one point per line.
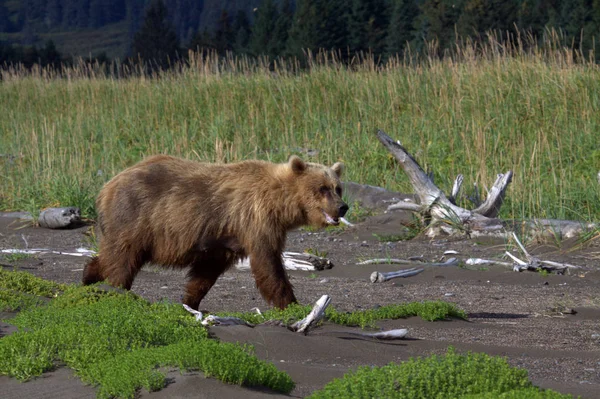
pixel 338 191
pixel 324 190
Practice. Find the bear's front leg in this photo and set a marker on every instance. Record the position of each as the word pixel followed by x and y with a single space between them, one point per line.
pixel 271 279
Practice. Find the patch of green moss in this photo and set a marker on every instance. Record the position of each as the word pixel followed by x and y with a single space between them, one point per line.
pixel 428 310
pixel 11 301
pixel 474 375
pixel 27 283
pixel 118 341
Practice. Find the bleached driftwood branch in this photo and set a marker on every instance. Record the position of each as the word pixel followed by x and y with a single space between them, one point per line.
pixel 314 317
pixel 535 264
pixel 60 218
pixel 291 260
pixel 42 251
pixel 383 335
pixel 295 261
pixel 378 261
pixel 302 326
pixel 380 277
pixel 447 217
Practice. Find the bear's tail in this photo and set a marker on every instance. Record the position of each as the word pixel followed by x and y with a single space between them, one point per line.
pixel 91 272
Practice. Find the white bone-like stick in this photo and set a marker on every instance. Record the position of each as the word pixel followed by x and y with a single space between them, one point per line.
pixel 527 255
pixel 558 264
pixel 384 335
pixel 385 261
pixel 346 222
pixel 315 315
pixel 456 188
pixel 198 315
pixel 212 320
pixel 379 277
pixel 478 261
pixel 517 260
pixel 39 251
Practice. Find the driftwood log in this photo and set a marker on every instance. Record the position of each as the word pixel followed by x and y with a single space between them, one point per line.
pixel 445 217
pixel 60 218
pixel 295 261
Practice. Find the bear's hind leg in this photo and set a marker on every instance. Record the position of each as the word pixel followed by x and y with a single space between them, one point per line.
pixel 203 275
pixel 121 267
pixel 92 272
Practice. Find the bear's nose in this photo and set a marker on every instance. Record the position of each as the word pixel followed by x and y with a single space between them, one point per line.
pixel 343 209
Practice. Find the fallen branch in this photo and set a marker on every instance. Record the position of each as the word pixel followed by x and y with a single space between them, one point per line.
pixel 43 251
pixel 301 326
pixel 60 218
pixel 478 261
pixel 447 218
pixel 380 261
pixel 295 261
pixel 382 335
pixel 314 317
pixel 291 260
pixel 535 264
pixel 380 277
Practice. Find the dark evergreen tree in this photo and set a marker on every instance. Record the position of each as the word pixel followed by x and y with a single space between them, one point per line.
pixel 224 36
pixel 401 29
pixel 438 20
pixel 263 30
pixel 203 42
pixel 49 55
pixel 241 29
pixel 156 42
pixel 367 26
pixel 83 13
pixel 532 16
pixel 284 20
pixel 97 13
pixel 54 13
pixel 5 23
pixel 303 33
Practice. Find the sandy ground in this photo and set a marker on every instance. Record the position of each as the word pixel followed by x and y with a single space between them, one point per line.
pixel 517 315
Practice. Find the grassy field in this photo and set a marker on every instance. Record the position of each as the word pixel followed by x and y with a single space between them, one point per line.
pixel 535 112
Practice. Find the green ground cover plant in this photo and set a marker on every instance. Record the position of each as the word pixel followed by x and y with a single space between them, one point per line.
pixel 470 376
pixel 119 342
pixel 482 111
pixel 428 310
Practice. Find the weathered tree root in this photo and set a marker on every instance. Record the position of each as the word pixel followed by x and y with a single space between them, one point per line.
pixel 447 218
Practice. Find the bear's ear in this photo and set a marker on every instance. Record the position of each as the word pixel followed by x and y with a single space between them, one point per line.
pixel 298 165
pixel 338 168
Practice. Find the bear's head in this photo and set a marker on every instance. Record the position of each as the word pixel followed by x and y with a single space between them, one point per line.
pixel 319 191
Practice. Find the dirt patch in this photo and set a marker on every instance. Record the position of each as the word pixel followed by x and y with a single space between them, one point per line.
pixel 517 315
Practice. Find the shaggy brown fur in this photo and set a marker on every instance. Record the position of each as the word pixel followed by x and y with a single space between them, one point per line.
pixel 181 213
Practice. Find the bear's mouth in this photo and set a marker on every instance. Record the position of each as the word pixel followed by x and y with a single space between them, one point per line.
pixel 330 220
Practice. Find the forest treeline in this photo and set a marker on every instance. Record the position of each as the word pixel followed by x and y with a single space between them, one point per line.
pixel 164 31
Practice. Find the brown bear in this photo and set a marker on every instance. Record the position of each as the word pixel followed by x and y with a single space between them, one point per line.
pixel 181 213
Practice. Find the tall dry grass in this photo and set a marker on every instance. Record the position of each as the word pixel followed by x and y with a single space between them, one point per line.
pixel 482 109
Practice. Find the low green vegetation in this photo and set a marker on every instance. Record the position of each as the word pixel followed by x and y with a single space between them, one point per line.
pixel 429 310
pixel 120 342
pixel 27 283
pixel 15 257
pixel 470 376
